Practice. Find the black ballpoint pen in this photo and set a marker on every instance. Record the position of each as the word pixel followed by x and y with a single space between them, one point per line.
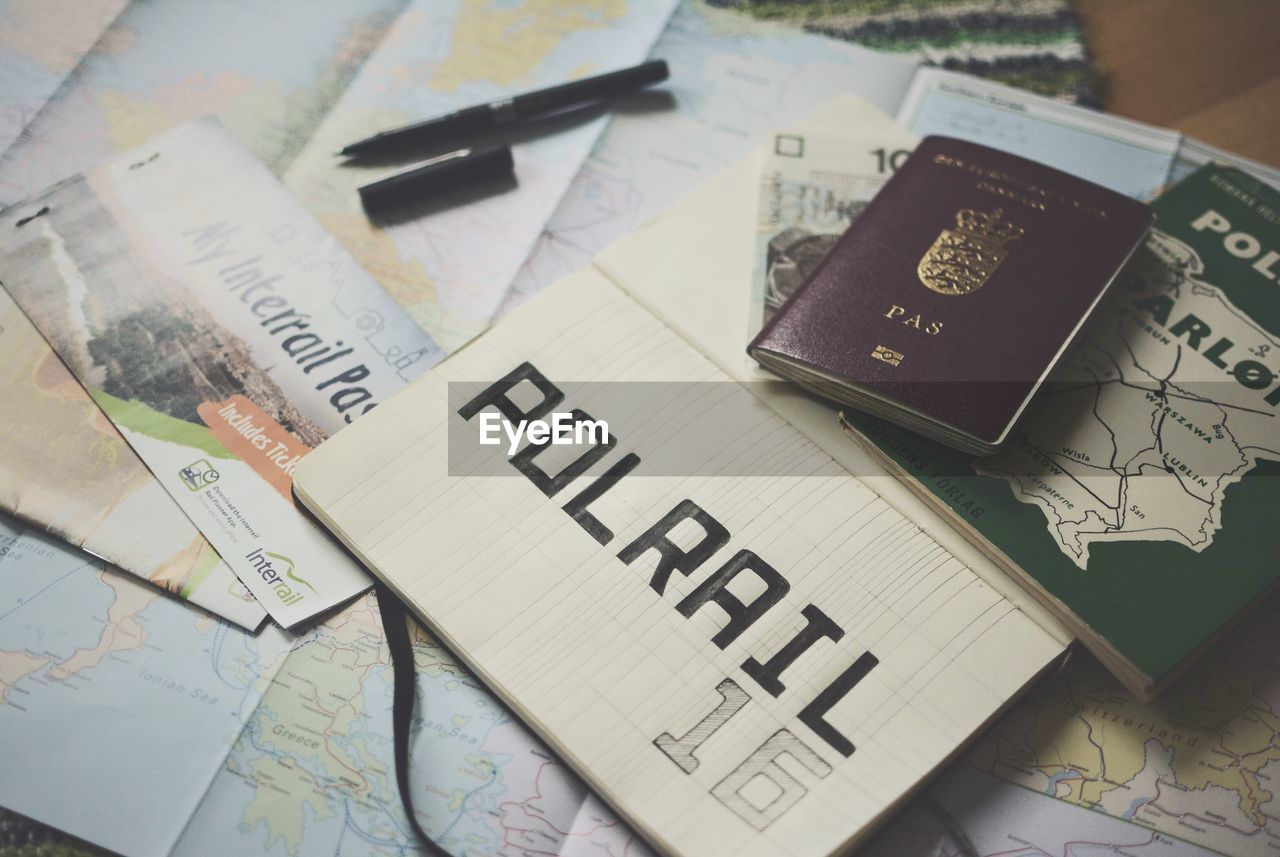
pixel 508 111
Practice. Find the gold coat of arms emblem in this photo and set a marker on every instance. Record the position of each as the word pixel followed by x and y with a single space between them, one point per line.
pixel 962 259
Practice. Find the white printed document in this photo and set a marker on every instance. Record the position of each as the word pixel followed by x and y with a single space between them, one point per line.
pixel 224 333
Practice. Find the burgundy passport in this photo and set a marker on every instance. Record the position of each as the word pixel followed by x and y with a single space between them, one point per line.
pixel 948 301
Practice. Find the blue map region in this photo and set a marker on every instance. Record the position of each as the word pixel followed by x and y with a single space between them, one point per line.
pixel 100 672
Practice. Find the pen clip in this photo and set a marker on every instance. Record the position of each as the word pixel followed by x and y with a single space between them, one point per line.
pixel 440 159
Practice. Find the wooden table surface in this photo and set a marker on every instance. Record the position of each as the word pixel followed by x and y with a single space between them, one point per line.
pixel 1209 68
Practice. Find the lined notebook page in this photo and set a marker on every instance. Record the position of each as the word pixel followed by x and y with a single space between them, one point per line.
pixel 574 634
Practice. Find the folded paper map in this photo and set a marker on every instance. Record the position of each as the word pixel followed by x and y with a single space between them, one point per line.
pixel 223 332
pixel 65 468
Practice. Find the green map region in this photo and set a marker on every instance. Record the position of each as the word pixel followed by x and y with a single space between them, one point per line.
pixel 1139 487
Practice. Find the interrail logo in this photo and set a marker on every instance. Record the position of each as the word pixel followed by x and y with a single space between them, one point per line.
pixel 274 568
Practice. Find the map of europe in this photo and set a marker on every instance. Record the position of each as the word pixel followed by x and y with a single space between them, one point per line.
pixel 312 771
pixel 1199 764
pixel 1168 399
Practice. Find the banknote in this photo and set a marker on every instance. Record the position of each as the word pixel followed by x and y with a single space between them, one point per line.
pixel 812 186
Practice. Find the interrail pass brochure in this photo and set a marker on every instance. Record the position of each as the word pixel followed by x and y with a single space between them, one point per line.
pixel 223 332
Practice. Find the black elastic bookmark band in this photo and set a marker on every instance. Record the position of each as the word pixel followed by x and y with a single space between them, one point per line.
pixel 396 628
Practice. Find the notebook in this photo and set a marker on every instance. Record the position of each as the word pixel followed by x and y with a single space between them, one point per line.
pixel 735 640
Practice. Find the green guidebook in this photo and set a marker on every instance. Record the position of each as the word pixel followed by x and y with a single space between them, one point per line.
pixel 1137 496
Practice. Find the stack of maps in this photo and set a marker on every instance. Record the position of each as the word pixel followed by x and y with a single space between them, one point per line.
pixel 143 726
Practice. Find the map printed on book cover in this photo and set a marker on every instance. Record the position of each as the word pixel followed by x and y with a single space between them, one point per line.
pixel 1137 496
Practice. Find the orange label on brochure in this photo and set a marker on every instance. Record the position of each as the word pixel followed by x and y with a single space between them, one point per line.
pixel 256 439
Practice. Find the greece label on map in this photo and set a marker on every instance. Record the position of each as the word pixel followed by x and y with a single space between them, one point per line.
pixel 1140 487
pixel 224 333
